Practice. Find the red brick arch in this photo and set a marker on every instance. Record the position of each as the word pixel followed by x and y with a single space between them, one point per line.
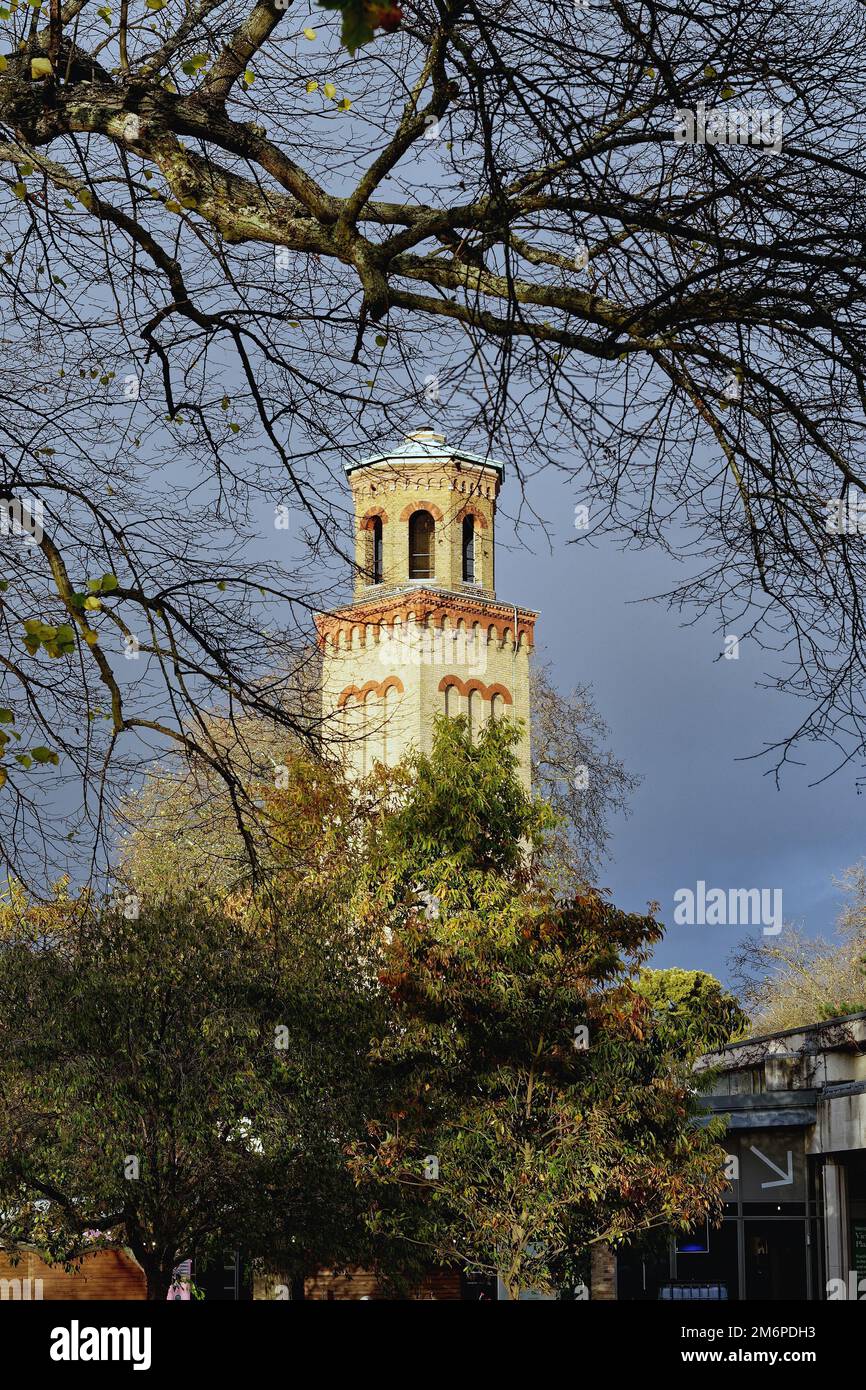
pixel 435 512
pixel 471 510
pixel 379 688
pixel 429 607
pixel 366 522
pixel 485 691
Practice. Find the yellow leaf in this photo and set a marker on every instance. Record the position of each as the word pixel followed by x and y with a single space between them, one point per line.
pixel 3 63
pixel 344 104
pixel 309 33
pixel 40 67
pixel 330 89
pixel 312 85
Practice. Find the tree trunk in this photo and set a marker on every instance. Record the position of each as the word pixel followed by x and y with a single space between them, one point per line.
pixel 603 1274
pixel 158 1278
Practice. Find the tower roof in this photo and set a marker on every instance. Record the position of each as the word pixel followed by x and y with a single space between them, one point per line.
pixel 426 444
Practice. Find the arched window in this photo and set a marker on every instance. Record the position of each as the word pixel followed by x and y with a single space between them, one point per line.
pixel 376 547
pixel 373 563
pixel 469 550
pixel 421 539
pixel 475 711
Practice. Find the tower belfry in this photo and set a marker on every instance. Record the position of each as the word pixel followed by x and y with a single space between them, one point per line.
pixel 425 632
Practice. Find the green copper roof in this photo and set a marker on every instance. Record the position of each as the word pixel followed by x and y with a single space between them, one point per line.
pixel 426 444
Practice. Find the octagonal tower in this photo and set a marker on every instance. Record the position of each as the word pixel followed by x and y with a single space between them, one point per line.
pixel 425 632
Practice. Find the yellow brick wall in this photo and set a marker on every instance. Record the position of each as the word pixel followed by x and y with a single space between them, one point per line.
pixel 379 724
pixel 397 490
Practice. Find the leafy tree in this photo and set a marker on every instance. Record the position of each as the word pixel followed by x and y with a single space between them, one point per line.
pixel 691 1009
pixel 302 822
pixel 236 255
pixel 166 1082
pixel 182 825
pixel 515 1140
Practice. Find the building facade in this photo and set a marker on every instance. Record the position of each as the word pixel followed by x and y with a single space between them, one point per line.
pixel 425 633
pixel 794 1224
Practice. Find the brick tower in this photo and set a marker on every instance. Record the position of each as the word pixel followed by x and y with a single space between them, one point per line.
pixel 425 632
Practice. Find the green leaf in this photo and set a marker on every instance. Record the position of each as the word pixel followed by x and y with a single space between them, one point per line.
pixel 195 63
pixel 6 716
pixel 357 28
pixel 44 755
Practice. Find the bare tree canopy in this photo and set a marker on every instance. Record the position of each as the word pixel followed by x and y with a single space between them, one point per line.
pixel 578 775
pixel 233 255
pixel 792 980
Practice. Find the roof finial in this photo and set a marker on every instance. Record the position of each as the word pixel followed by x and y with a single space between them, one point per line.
pixel 427 435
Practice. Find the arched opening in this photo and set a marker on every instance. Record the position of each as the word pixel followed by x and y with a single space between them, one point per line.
pixel 421 540
pixel 469 550
pixel 475 711
pixel 376 549
pixel 386 714
pixel 373 550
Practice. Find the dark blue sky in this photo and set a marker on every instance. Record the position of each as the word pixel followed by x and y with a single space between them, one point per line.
pixel 682 720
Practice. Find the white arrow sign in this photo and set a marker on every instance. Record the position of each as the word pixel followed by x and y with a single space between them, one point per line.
pixel 785 1178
